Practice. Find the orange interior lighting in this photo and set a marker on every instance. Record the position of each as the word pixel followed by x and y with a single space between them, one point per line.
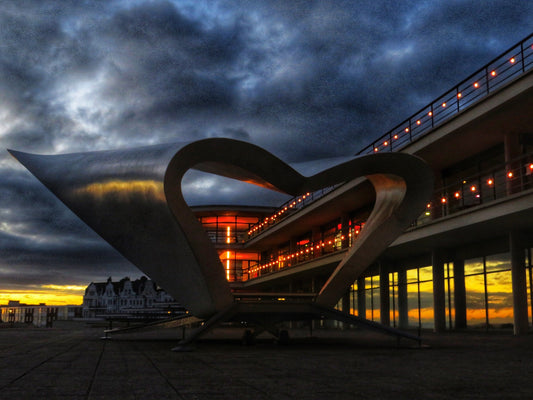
pixel 443 200
pixel 443 105
pixel 459 95
pixel 490 181
pixel 375 149
pixel 385 143
pixel 395 137
pixel 430 113
pixel 406 129
pixel 418 122
pixel 457 195
pixel 510 174
pixel 473 188
pixel 512 60
pixel 476 85
pixel 493 73
pixel 531 167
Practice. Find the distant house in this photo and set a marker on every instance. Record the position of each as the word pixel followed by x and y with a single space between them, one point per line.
pixel 140 296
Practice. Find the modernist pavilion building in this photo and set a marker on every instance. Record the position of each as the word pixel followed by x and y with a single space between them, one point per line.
pixel 465 262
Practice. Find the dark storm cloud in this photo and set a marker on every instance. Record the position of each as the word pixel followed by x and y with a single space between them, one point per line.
pixel 304 79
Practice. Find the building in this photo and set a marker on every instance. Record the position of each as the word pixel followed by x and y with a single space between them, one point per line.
pixel 36 314
pixel 463 261
pixel 140 297
pixel 466 261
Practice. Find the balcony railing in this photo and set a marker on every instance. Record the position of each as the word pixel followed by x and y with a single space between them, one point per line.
pixel 492 184
pixel 495 183
pixel 289 208
pixel 494 75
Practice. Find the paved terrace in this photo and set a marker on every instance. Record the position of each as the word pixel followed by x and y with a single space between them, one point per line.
pixel 69 361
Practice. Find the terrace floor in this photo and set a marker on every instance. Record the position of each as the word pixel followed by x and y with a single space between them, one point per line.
pixel 70 361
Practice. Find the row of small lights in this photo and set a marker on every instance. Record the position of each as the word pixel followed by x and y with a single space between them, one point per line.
pixel 289 257
pixel 474 188
pixel 476 85
pixel 272 219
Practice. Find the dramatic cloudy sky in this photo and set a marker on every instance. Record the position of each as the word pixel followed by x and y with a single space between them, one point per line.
pixel 303 79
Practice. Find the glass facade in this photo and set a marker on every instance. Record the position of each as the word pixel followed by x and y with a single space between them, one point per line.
pixel 489 293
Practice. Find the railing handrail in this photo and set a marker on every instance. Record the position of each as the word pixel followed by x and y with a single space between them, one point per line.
pixel 370 148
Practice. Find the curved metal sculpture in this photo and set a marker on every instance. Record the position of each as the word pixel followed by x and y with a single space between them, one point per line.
pixel 132 198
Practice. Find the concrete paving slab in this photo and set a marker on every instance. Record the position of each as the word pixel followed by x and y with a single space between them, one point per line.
pixel 70 361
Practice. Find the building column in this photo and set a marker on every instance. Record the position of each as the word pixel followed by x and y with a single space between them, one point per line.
pixel 384 295
pixel 439 297
pixel 361 299
pixel 403 310
pixel 345 231
pixel 459 293
pixel 512 150
pixel 345 307
pixel 518 273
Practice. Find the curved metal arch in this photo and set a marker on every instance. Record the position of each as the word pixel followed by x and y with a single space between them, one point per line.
pixel 132 198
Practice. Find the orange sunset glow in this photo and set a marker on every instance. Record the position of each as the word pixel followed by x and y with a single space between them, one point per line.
pixel 49 294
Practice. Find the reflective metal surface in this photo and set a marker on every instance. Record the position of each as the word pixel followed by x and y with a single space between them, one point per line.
pixel 133 199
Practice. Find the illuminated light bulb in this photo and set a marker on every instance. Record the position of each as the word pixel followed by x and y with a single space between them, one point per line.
pixel 510 174
pixel 342 237
pixel 357 232
pixel 375 149
pixel 428 205
pixel 430 113
pixel 406 129
pixel 478 196
pixel 443 105
pixel 418 122
pixel 512 60
pixel 318 246
pixel 459 95
pixel 464 182
pixel 299 200
pixel 395 137
pixel 531 167
pixel 385 143
pixel 473 188
pixel 457 195
pixel 329 242
pixel 443 200
pixel 428 213
pixel 323 244
pixel 493 73
pixel 476 85
pixel 490 181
